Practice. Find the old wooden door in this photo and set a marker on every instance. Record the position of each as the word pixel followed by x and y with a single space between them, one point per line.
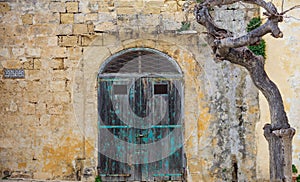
pixel 140 123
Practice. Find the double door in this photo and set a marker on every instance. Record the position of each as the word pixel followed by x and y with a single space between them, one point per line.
pixel 140 129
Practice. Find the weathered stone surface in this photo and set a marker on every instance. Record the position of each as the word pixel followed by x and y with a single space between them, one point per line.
pixel 170 6
pixel 62 97
pixel 79 18
pixel 47 17
pixel 58 7
pixel 55 109
pixel 52 41
pixel 66 18
pixel 40 30
pixel 65 29
pixel 20 175
pixel 32 97
pixel 33 52
pixel 74 53
pixel 33 75
pixel 28 108
pixel 90 27
pixel 37 64
pixel 63 45
pixel 126 10
pixel 28 64
pixel 4 7
pixel 57 86
pixel 54 52
pixel 90 17
pixel 80 29
pixel 57 63
pixel 27 19
pixel 18 51
pixel 4 53
pixel 87 40
pixel 11 64
pixel 68 41
pixel 153 6
pixel 105 27
pixel 125 3
pixel 72 7
pixel 42 175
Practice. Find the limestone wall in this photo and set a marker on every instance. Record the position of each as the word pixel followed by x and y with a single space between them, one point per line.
pixel 283 67
pixel 49 118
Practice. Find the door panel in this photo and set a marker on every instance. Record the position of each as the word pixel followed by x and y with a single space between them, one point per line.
pixel 140 112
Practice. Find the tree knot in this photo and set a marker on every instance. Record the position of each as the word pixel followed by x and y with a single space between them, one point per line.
pixel 289 132
pixel 269 130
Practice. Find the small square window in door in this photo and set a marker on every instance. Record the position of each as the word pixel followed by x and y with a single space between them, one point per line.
pixel 160 89
pixel 120 89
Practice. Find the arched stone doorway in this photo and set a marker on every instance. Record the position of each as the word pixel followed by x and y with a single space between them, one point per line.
pixel 140 108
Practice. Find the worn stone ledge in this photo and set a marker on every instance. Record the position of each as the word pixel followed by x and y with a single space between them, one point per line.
pixel 187 32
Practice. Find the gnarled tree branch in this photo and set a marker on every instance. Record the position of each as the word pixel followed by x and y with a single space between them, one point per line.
pixel 227 47
pixel 271 26
pixel 234 50
pixel 224 37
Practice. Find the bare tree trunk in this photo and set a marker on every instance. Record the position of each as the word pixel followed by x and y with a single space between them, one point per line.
pixel 279 134
pixel 280 147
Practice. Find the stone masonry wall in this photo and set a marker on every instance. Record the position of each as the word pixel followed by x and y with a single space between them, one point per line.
pixel 48 125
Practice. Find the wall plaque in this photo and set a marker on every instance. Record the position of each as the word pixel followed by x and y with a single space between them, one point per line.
pixel 14 73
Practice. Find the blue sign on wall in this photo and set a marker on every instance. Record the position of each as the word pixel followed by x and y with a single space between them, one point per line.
pixel 14 73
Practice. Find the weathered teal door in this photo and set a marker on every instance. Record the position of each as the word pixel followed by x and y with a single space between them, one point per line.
pixel 140 122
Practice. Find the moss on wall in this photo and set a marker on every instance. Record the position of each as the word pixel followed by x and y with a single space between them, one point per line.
pixel 260 47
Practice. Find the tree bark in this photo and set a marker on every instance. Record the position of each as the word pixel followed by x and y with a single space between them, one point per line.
pixel 279 134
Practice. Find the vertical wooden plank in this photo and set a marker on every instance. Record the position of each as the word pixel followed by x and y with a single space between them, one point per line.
pixel 152 167
pixel 119 132
pixel 103 112
pixel 175 109
pixel 162 130
pixel 142 133
pixel 104 115
pixel 131 131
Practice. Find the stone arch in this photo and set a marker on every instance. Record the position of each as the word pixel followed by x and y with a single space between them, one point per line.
pixel 140 93
pixel 85 89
